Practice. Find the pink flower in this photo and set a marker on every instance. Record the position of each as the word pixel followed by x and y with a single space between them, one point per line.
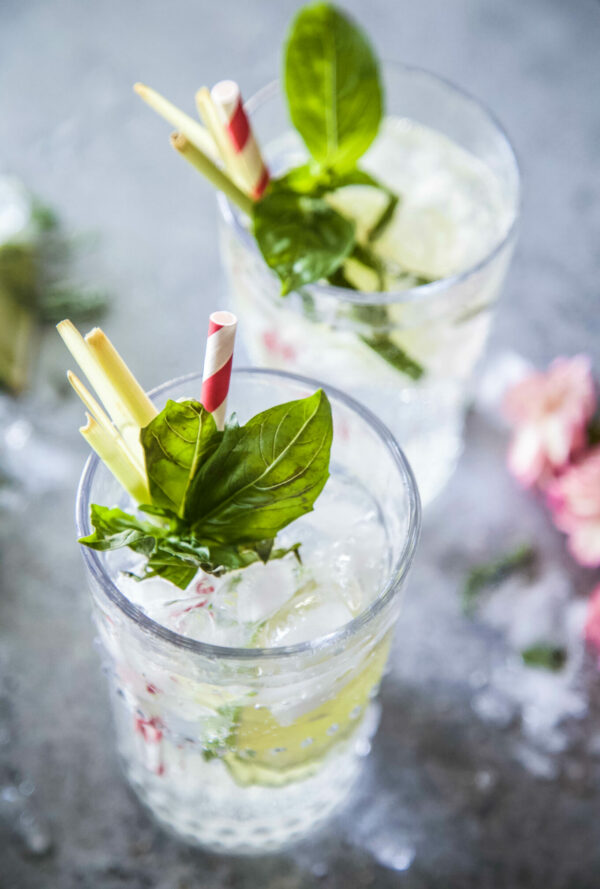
pixel 550 411
pixel 591 630
pixel 574 498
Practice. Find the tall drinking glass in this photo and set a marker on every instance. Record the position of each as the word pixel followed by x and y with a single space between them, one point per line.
pixel 409 352
pixel 248 749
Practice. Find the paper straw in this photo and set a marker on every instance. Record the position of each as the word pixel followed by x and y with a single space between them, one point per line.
pixel 227 99
pixel 217 364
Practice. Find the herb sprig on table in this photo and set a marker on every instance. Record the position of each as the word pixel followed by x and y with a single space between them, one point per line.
pixel 38 281
pixel 219 498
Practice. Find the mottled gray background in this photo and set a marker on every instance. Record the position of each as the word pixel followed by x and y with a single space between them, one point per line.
pixel 444 801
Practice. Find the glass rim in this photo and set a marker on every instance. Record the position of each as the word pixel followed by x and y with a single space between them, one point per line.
pixel 388 591
pixel 232 215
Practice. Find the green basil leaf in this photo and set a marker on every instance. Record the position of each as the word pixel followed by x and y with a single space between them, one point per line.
pixel 264 474
pixel 354 177
pixel 301 238
pixel 332 84
pixel 161 511
pixel 171 567
pixel 308 179
pixel 305 179
pixel 114 528
pixel 394 355
pixel 179 560
pixel 385 218
pixel 175 443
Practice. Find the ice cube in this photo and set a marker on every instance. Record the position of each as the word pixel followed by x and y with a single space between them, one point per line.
pixel 306 621
pixel 262 589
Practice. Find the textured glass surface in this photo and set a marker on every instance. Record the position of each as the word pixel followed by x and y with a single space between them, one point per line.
pixel 245 749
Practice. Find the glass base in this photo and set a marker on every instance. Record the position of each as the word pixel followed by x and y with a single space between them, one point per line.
pixel 200 802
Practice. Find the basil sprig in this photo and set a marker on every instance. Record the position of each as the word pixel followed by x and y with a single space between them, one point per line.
pixel 332 83
pixel 335 98
pixel 221 497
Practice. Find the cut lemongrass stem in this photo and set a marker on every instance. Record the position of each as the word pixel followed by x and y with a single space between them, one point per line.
pixel 117 390
pixel 136 402
pixel 115 456
pixel 192 129
pixel 212 121
pixel 219 179
pixel 100 416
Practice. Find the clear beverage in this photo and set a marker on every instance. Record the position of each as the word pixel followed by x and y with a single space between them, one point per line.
pixel 458 182
pixel 244 704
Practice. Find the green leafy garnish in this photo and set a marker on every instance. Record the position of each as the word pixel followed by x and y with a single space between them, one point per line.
pixel 301 237
pixel 335 100
pixel 547 657
pixel 36 288
pixel 175 444
pixel 221 497
pixel 265 474
pixel 332 83
pixel 394 355
pixel 489 574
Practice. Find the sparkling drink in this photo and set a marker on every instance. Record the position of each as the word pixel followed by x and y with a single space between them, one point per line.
pixel 406 340
pixel 244 704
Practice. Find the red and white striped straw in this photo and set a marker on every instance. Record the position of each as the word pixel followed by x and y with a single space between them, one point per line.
pixel 217 364
pixel 227 98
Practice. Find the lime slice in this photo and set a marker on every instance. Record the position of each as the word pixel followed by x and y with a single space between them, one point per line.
pixel 271 754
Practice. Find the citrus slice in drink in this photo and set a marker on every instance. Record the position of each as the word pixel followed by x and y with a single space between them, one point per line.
pixel 271 754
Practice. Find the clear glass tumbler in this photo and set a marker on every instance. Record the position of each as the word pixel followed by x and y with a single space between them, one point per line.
pixel 246 750
pixel 326 330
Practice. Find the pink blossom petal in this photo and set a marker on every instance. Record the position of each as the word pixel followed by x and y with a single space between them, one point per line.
pixel 526 458
pixel 550 412
pixel 584 543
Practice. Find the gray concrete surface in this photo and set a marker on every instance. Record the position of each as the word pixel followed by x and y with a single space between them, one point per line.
pixel 445 802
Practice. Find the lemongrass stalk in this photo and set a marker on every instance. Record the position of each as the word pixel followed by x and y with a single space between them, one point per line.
pixel 212 120
pixel 116 458
pixel 134 398
pixel 195 132
pixel 122 396
pixel 202 163
pixel 101 417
